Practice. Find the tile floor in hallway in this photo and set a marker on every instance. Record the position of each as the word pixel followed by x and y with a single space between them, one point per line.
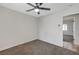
pixel 68 43
pixel 70 46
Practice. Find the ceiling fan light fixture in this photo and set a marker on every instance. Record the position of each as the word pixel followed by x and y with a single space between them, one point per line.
pixel 36 10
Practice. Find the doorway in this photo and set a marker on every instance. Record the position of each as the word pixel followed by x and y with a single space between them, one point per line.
pixel 68 32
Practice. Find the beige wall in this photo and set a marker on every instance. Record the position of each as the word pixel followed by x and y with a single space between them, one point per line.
pixel 16 28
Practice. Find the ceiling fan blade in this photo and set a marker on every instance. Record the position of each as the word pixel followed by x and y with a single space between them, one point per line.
pixel 44 8
pixel 30 4
pixel 36 4
pixel 40 4
pixel 30 10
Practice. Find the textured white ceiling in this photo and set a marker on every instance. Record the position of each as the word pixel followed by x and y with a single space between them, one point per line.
pixel 22 7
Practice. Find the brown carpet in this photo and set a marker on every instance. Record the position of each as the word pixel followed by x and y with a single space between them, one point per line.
pixel 37 47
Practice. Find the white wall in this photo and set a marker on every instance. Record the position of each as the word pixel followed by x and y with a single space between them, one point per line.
pixel 69 27
pixel 76 29
pixel 16 28
pixel 49 30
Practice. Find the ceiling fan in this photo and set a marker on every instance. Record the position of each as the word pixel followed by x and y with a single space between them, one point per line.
pixel 37 7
